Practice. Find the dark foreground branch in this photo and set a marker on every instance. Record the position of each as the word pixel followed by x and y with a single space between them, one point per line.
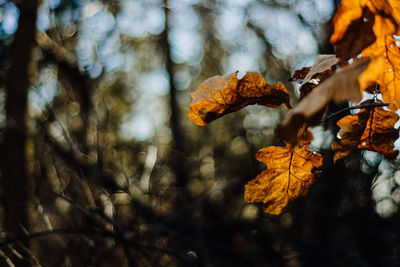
pixel 368 105
pixel 89 231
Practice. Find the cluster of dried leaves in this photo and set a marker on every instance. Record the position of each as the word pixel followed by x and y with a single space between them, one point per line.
pixel 366 38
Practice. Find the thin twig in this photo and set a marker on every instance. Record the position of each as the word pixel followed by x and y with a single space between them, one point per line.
pixel 368 105
pixel 6 259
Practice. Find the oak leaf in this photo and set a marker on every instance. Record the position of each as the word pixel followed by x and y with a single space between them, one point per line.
pixel 289 175
pixel 221 95
pixel 371 129
pixel 384 69
pixel 342 85
pixel 357 24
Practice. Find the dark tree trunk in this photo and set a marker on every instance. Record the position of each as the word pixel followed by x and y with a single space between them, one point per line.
pixel 14 160
pixel 178 154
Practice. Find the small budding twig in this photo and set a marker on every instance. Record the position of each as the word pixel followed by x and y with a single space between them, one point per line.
pixel 367 105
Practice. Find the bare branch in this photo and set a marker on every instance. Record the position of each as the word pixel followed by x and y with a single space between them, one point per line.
pixel 368 105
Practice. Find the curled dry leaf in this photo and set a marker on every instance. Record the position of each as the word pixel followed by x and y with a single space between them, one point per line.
pixel 323 68
pixel 371 129
pixel 221 95
pixel 299 75
pixel 384 69
pixel 343 85
pixel 289 175
pixel 357 24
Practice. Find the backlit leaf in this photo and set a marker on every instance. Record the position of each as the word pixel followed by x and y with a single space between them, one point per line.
pixel 385 69
pixel 370 129
pixel 289 175
pixel 343 85
pixel 357 24
pixel 221 95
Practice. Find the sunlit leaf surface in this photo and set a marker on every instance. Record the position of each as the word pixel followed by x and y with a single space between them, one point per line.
pixel 289 175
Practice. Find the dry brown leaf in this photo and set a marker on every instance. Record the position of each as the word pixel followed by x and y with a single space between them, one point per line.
pixel 384 69
pixel 299 75
pixel 357 24
pixel 322 63
pixel 351 129
pixel 288 176
pixel 221 95
pixel 370 129
pixel 323 67
pixel 343 85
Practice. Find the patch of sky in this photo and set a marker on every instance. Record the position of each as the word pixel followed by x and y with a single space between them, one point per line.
pixel 184 17
pixel 110 45
pixel 138 126
pixel 85 51
pixel 109 53
pixel 307 9
pixel 185 45
pixel 180 4
pixel 241 3
pixel 9 24
pixel 305 42
pixel 230 23
pixel 242 61
pixel 372 158
pixel 386 208
pixel 66 17
pixel 182 80
pixel 95 70
pixel 97 39
pixel 100 25
pixel 53 3
pixel 154 20
pixel 44 92
pixel 91 9
pixel 260 118
pixel 137 19
pixel 245 56
pixel 147 116
pixel 43 19
pixel 325 9
pixel 258 14
pixel 113 62
pixel 154 83
pixel 287 36
pixel 322 139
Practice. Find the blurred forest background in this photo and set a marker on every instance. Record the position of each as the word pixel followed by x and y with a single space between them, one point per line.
pixel 100 165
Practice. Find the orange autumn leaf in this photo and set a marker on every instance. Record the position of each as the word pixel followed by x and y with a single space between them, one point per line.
pixel 370 129
pixel 289 175
pixel 342 85
pixel 221 95
pixel 357 24
pixel 384 69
